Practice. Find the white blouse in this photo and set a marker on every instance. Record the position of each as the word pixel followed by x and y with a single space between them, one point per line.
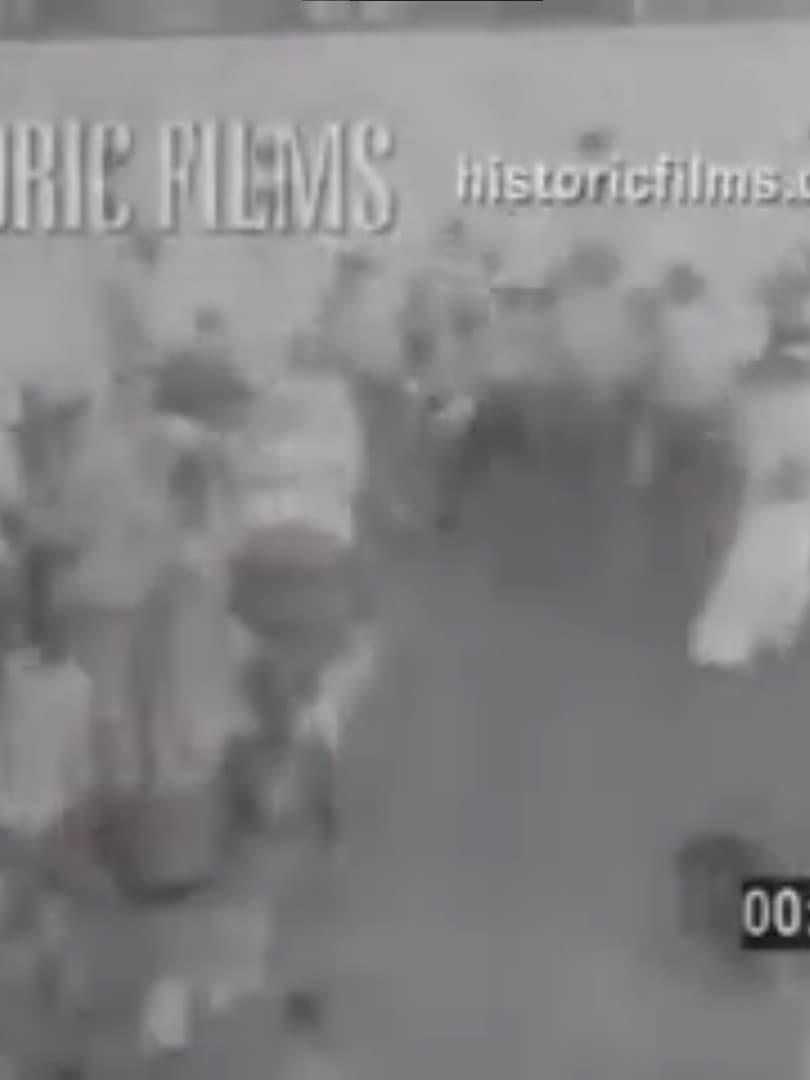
pixel 45 742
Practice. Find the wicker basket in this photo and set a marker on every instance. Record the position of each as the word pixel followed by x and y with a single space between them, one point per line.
pixel 170 842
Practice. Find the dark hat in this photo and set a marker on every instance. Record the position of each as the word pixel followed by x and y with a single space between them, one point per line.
pixel 144 247
pixel 354 264
pixel 453 231
pixel 683 284
pixel 200 386
pixel 595 142
pixel 594 264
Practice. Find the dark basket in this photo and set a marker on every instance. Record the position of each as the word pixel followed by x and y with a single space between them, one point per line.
pixel 164 845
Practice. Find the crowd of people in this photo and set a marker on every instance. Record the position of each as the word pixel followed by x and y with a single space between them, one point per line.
pixel 182 635
pixel 188 614
pixel 674 414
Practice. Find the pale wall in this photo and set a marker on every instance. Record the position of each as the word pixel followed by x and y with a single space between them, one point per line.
pixel 734 92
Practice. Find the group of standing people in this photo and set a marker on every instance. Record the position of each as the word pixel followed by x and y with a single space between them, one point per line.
pixel 185 527
pixel 642 366
pixel 161 541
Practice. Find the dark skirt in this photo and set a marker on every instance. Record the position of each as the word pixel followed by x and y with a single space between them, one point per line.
pixel 39 572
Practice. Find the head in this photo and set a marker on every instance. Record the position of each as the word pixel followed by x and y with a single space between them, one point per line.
pixel 593 267
pixel 683 286
pixel 596 144
pixel 353 269
pixel 453 239
pixel 145 249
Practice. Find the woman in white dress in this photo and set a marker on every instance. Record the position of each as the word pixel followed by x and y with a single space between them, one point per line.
pixel 759 599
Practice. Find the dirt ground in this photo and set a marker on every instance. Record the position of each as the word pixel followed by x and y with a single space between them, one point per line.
pixel 535 746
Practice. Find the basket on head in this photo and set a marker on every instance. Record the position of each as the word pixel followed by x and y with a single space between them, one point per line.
pixel 199 380
pixel 682 285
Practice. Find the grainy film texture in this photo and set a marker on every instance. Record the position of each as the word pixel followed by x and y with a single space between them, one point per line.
pixel 404 538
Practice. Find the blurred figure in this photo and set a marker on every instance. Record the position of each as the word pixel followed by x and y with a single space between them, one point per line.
pixel 598 218
pixel 692 487
pixel 300 581
pixel 758 600
pixel 455 281
pixel 645 309
pixel 187 704
pixel 598 350
pixel 201 382
pixel 117 512
pixel 128 302
pixel 301 585
pixel 47 771
pixel 46 806
pixel 594 320
pixel 447 327
pixel 356 325
pixel 343 317
pixel 452 390
pixel 47 438
pixel 12 534
pixel 708 869
pixel 516 361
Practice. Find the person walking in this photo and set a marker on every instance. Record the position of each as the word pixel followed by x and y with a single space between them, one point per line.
pixel 759 598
